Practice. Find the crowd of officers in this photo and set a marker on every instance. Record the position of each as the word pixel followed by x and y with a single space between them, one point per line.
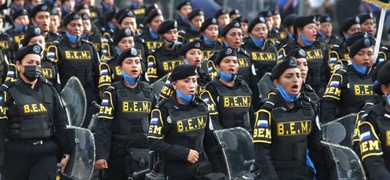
pixel 210 70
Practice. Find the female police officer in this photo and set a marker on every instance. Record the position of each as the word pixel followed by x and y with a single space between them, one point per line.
pixel 124 117
pixel 285 128
pixel 180 130
pixel 373 131
pixel 32 115
pixel 348 88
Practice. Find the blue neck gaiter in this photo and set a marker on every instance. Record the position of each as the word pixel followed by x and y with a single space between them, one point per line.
pixel 153 34
pixel 226 45
pixel 84 36
pixel 16 8
pixel 388 99
pixel 129 79
pixel 118 51
pixel 208 41
pixel 306 41
pixel 65 9
pixel 135 4
pixel 72 38
pixel 360 69
pixel 184 18
pixel 106 6
pixel 186 61
pixel 19 28
pixel 193 28
pixel 291 36
pixel 35 24
pixel 227 76
pixel 346 36
pixel 186 98
pixel 286 96
pixel 258 42
pixel 171 44
pixel 322 35
pixel 111 26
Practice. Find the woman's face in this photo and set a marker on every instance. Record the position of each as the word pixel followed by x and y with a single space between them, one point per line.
pixel 276 19
pixel 211 32
pixel 75 27
pixel 38 40
pixel 326 28
pixel 302 64
pixel 367 26
pixel 156 22
pixel 87 26
pixel 365 57
pixel 310 31
pixel 290 80
pixel 194 57
pixel 197 21
pixel 54 23
pixel 353 29
pixel 70 4
pixel 22 20
pixel 223 20
pixel 259 31
pixel 233 38
pixel 269 22
pixel 185 10
pixel 229 65
pixel 125 43
pixel 132 66
pixel 28 60
pixel 187 85
pixel 42 19
pixel 171 35
pixel 129 22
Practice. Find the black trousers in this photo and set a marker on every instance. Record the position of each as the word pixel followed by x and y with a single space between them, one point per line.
pixel 26 161
pixel 116 169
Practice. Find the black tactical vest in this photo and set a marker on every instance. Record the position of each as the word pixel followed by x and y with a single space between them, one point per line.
pixel 245 64
pixel 29 118
pixel 263 60
pixel 382 124
pixel 234 105
pixel 167 61
pixel 315 60
pixel 49 70
pixel 115 69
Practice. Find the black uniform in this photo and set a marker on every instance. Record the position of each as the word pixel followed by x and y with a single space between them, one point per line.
pixel 139 13
pixel 191 35
pixel 124 118
pixel 16 36
pixel 274 36
pixel 151 43
pixel 345 93
pixel 209 49
pixel 282 137
pixel 33 121
pixel 7 46
pixel 174 130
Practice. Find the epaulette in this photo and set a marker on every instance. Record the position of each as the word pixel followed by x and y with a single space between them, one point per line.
pixel 269 103
pixel 108 59
pixel 86 41
pixel 56 42
pixel 384 48
pixel 308 87
pixel 110 88
pixel 181 32
pixel 141 40
pixel 44 80
pixel 162 102
pixel 341 71
pixel 6 85
pixel 244 51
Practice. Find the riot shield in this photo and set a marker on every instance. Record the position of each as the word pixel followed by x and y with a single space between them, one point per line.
pixel 75 101
pixel 346 164
pixel 340 131
pixel 265 85
pixel 82 158
pixel 238 152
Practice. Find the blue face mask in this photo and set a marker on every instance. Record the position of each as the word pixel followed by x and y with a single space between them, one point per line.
pixel 186 61
pixel 193 28
pixel 17 8
pixel 360 69
pixel 111 26
pixel 346 36
pixel 258 42
pixel 129 79
pixel 72 38
pixel 19 28
pixel 106 6
pixel 186 98
pixel 135 4
pixel 291 36
pixel 286 96
pixel 65 9
pixel 84 36
pixel 226 44
pixel 153 34
pixel 306 41
pixel 322 35
pixel 227 76
pixel 35 24
pixel 118 51
pixel 171 44
pixel 184 18
pixel 208 41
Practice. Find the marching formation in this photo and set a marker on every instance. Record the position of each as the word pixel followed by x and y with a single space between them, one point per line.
pixel 123 93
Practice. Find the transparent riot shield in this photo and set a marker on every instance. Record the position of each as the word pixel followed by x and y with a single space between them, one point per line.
pixel 238 152
pixel 82 158
pixel 75 101
pixel 346 164
pixel 340 131
pixel 265 85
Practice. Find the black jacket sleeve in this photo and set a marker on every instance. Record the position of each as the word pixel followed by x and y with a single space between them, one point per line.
pixel 60 120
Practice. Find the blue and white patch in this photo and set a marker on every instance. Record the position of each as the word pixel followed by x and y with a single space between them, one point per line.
pixel 210 69
pixel 262 124
pixel 365 136
pixel 334 84
pixel 333 60
pixel 1 98
pixel 104 52
pixel 10 73
pixel 105 102
pixel 153 121
pixel 206 100
pixel 104 71
pixel 51 55
pixel 150 64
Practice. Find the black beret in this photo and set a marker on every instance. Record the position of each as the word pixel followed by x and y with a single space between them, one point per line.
pixel 184 3
pixel 359 45
pixel 81 6
pixel 220 12
pixel 302 21
pixel 347 23
pixel 194 13
pixel 69 17
pixel 152 15
pixel 318 17
pixel 275 12
pixel 183 71
pixel 254 22
pixel 207 23
pixel 125 14
pixel 84 16
pixel 196 44
pixel 39 8
pixel 54 12
pixel 150 9
pixel 354 37
pixel 383 75
pixel 279 69
pixel 16 14
pixel 166 26
pixel 241 19
pixel 265 14
pixel 110 15
pixel 31 49
pixel 130 52
pixel 233 12
pixel 233 24
pixel 297 53
pixel 223 53
pixel 289 20
pixel 365 16
pixel 119 13
pixel 325 19
pixel 30 33
pixel 118 35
